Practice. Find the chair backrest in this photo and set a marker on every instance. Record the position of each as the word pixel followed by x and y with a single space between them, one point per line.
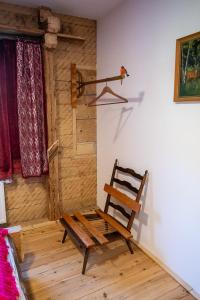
pixel 130 204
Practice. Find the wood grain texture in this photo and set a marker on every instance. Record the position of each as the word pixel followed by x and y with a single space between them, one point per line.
pixel 20 30
pixel 83 236
pixel 73 86
pixel 54 203
pixel 86 130
pixel 96 234
pixel 121 197
pixel 53 272
pixel 70 36
pixel 77 166
pixel 26 199
pixel 28 203
pixel 116 225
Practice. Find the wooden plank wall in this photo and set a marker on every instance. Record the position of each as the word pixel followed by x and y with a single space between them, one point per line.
pixel 27 200
pixel 77 169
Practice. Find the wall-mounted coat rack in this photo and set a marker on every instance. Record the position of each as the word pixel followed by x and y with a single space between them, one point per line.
pixel 78 85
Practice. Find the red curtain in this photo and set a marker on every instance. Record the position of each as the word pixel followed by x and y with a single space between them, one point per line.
pixel 9 137
pixel 31 109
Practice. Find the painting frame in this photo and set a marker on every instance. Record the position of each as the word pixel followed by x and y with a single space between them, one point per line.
pixel 186 78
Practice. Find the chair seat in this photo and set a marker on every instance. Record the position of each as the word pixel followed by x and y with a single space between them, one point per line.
pixel 98 235
pixel 69 222
pixel 116 225
pixel 99 228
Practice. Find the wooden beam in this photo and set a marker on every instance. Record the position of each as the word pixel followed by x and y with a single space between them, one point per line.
pixel 55 204
pixel 21 30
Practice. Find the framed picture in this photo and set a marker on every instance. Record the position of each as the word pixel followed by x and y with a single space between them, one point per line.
pixel 187 69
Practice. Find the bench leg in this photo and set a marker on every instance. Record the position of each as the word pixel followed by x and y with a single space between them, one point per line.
pixel 129 246
pixel 64 236
pixel 85 260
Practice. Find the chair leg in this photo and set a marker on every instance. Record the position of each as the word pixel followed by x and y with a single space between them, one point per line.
pixel 85 260
pixel 64 236
pixel 129 246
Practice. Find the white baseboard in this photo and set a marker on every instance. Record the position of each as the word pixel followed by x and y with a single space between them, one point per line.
pixel 168 270
pixel 2 204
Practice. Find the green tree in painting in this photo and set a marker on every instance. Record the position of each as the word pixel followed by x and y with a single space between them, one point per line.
pixel 190 68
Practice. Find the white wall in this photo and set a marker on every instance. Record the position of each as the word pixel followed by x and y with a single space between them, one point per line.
pixel 152 132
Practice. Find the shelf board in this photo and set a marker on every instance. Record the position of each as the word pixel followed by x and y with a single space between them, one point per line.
pixel 70 36
pixel 34 32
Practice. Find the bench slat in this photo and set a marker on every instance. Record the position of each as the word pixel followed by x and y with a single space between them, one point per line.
pixel 95 232
pixel 83 236
pixel 116 225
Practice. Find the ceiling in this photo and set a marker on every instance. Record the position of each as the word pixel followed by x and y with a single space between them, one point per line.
pixel 92 9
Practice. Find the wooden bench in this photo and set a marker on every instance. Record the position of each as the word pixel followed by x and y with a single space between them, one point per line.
pixel 82 228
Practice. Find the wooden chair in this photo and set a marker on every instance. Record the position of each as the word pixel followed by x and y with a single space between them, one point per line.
pixel 87 229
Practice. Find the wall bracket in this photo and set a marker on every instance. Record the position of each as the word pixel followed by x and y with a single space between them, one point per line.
pixel 78 85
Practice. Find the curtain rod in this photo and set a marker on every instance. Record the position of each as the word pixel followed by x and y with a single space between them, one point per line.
pixel 15 36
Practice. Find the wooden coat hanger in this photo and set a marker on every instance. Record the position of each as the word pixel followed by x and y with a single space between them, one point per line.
pixel 106 90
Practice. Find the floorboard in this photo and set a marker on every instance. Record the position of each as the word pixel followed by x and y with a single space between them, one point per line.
pixel 52 271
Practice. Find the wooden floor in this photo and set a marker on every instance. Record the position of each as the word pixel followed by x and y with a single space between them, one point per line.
pixel 52 271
